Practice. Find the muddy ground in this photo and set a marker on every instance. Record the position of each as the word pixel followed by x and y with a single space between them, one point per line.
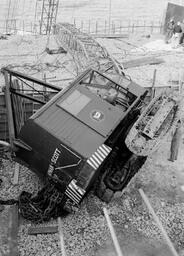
pixel 86 232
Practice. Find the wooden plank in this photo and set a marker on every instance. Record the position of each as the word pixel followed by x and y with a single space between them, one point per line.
pixel 109 35
pixel 42 230
pixel 142 62
pixel 16 174
pixel 13 231
pixel 112 232
pixel 61 237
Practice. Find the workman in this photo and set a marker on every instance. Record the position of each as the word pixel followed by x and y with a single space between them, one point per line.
pixel 169 31
pixel 182 33
pixel 176 35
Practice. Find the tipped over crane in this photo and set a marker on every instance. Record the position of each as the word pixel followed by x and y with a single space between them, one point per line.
pixel 86 136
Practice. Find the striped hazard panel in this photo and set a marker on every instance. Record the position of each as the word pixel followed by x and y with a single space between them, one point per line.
pixel 74 192
pixel 98 157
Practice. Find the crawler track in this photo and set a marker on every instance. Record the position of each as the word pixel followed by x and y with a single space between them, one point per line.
pixel 153 125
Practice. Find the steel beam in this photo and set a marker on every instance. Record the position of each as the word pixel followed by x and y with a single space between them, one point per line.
pixel 31 79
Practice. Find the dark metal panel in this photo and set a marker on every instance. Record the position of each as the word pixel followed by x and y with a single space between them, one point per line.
pixel 96 114
pixel 70 130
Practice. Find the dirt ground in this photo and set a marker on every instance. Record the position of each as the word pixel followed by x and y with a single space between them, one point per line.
pixel 86 232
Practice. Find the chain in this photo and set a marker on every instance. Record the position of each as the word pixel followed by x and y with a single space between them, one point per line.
pixel 8 202
pixel 46 205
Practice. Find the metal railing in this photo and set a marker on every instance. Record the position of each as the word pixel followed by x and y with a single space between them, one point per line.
pixel 94 27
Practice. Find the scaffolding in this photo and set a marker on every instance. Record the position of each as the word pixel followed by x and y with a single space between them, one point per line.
pixel 45 15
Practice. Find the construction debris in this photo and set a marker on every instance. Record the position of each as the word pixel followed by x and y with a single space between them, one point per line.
pixel 42 230
pixel 55 51
pixel 3 37
pixel 85 50
pixel 16 174
pixel 142 62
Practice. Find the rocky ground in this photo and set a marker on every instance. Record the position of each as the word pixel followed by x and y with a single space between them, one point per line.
pixel 86 232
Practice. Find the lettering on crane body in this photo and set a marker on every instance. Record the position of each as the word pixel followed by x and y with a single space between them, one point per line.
pixel 53 160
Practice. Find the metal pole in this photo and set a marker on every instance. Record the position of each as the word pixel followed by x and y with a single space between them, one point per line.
pixel 110 5
pixel 113 234
pixel 11 126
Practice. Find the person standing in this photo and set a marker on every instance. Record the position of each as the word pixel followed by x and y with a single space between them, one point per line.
pixel 182 33
pixel 176 35
pixel 169 31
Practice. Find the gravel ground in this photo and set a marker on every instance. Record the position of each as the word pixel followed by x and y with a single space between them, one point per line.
pixel 86 232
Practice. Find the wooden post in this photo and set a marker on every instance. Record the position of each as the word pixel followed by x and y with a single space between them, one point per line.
pixel 6 26
pixel 89 27
pixel 81 28
pixel 137 25
pixel 113 27
pixel 109 28
pixel 158 222
pixel 13 231
pixel 16 174
pixel 11 127
pixel 144 25
pixel 15 27
pixel 105 27
pixel 153 84
pixel 31 27
pixel 44 88
pixel 129 23
pixel 152 25
pixel 133 28
pixel 175 142
pixel 181 81
pixel 23 27
pixel 110 6
pixel 161 28
pixel 96 27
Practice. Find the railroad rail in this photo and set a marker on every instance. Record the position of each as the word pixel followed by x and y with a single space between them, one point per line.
pixel 85 50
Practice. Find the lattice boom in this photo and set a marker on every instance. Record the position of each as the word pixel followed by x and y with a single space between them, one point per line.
pixel 85 50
